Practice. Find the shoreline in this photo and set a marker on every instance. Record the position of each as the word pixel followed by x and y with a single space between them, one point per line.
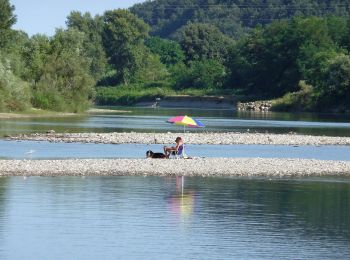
pixel 38 113
pixel 205 167
pixel 190 138
pixel 186 101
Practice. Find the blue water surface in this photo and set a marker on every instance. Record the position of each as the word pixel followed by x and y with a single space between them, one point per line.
pixel 47 150
pixel 174 218
pixel 154 120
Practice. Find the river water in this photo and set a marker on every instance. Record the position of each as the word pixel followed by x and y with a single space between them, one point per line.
pixel 174 218
pixel 154 120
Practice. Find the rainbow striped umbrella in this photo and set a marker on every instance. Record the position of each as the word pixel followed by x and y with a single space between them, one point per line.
pixel 186 121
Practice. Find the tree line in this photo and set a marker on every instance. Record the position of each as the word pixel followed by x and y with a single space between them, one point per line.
pixel 305 60
pixel 233 17
pixel 52 73
pixel 113 59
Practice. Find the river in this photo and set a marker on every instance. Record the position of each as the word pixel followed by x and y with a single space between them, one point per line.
pixel 46 150
pixel 174 218
pixel 154 120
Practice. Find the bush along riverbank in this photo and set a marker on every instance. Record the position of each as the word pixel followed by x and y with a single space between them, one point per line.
pixel 304 100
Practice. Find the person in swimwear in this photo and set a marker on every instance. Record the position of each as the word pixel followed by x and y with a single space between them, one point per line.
pixel 169 149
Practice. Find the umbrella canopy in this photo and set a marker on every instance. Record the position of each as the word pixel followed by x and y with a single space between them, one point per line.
pixel 186 121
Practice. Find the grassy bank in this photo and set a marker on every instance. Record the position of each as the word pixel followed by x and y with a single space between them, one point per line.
pixel 37 113
pixel 306 100
pixel 132 94
pixel 302 100
pixel 33 112
pixel 129 95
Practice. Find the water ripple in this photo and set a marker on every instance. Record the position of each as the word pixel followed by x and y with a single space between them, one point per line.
pixel 172 218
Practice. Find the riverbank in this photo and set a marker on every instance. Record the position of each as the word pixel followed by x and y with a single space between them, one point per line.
pixel 191 167
pixel 105 111
pixel 38 113
pixel 190 138
pixel 186 101
pixel 35 115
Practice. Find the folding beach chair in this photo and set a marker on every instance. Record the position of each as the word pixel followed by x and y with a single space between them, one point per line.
pixel 180 153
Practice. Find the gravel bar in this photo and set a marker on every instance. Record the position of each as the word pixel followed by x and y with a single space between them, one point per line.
pixel 167 167
pixel 190 138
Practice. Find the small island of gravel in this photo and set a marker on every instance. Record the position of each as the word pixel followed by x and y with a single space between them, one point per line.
pixel 192 167
pixel 190 138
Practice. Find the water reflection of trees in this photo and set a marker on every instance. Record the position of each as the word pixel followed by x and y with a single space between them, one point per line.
pixel 311 207
pixel 3 185
pixel 3 189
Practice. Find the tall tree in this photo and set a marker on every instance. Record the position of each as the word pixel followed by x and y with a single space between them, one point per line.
pixel 65 83
pixel 14 92
pixel 265 63
pixel 123 38
pixel 152 69
pixel 14 51
pixel 7 19
pixel 92 27
pixel 169 51
pixel 337 81
pixel 205 74
pixel 35 56
pixel 204 41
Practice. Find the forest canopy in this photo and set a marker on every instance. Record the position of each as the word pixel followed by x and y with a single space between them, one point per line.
pixel 233 17
pixel 296 52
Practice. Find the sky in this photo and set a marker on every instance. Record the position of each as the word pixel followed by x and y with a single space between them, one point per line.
pixel 44 16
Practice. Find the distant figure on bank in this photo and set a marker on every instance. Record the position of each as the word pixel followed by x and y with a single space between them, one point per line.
pixel 152 155
pixel 168 150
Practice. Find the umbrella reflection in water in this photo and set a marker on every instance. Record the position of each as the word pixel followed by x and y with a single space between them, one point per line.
pixel 182 203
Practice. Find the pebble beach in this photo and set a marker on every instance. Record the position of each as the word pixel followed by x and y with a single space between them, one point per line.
pixel 212 167
pixel 190 138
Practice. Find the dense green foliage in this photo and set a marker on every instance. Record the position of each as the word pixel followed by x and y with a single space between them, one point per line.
pixel 206 74
pixel 92 42
pixel 204 41
pixel 65 82
pixel 264 63
pixel 271 61
pixel 302 62
pixel 301 100
pixel 7 19
pixel 128 95
pixel 14 93
pixel 233 17
pixel 123 38
pixel 170 52
pixel 47 73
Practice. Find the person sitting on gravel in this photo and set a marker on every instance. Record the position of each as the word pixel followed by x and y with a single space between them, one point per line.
pixel 168 150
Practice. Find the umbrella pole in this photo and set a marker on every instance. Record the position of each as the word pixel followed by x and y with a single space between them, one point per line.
pixel 184 128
